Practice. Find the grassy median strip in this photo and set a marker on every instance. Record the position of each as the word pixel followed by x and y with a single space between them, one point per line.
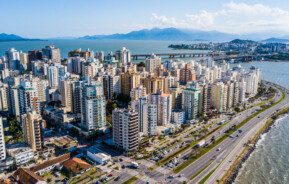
pixel 131 180
pixel 201 152
pixel 186 147
pixel 207 176
pixel 195 175
pixel 204 150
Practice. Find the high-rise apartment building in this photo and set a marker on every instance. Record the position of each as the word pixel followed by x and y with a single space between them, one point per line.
pixel 125 129
pixel 123 56
pixel 152 63
pixel 32 124
pixel 190 101
pixel 92 106
pixel 164 107
pixel 51 52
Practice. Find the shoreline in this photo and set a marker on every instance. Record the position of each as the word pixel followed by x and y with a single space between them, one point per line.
pixel 232 174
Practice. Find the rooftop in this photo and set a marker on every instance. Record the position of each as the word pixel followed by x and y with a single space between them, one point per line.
pixel 51 162
pixel 76 165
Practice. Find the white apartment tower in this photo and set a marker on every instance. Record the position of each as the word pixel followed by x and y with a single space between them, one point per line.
pixel 92 106
pixel 125 129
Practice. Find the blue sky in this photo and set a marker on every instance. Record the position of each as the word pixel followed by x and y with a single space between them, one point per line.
pixel 56 18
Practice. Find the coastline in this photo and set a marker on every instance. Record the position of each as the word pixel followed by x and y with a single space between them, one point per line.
pixel 233 172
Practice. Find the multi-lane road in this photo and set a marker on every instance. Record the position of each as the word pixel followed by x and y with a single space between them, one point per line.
pixel 230 147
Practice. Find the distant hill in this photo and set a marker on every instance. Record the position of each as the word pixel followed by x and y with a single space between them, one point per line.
pixel 170 34
pixel 239 41
pixel 276 40
pixel 12 37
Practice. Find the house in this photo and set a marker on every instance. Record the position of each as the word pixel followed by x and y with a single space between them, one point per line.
pixel 24 175
pixel 50 164
pixel 76 166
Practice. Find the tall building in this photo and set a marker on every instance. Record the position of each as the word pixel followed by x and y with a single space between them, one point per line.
pixel 187 75
pixel 23 61
pixel 28 97
pixel 219 97
pixel 3 97
pixel 190 101
pixel 2 141
pixel 125 129
pixel 111 85
pixel 252 80
pixel 51 52
pixel 92 106
pixel 34 55
pixel 123 56
pixel 14 101
pixel 53 76
pixel 143 115
pixel 152 121
pixel 153 84
pixel 66 94
pixel 74 65
pixel 164 107
pixel 128 81
pixel 32 124
pixel 205 99
pixel 76 97
pixel 137 92
pixel 13 59
pixel 152 63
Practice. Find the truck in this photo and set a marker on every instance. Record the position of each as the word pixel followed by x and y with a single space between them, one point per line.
pixel 201 143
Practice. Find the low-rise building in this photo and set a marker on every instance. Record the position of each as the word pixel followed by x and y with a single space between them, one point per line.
pixel 21 153
pixel 50 164
pixel 76 166
pixel 24 175
pixel 65 143
pixel 95 155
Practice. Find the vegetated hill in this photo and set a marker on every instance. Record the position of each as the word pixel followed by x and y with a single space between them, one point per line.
pixel 276 40
pixel 239 41
pixel 12 37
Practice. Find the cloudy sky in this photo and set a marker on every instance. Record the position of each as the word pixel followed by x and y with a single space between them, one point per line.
pixel 57 18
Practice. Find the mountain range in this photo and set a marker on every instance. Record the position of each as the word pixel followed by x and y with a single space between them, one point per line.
pixel 174 34
pixel 168 34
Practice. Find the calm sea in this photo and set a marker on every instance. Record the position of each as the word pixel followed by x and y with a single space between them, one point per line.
pixel 136 47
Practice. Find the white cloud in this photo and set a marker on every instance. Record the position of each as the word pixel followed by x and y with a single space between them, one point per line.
pixel 232 18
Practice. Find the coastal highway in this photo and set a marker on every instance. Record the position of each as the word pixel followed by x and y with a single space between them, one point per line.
pixel 216 158
pixel 259 123
pixel 208 160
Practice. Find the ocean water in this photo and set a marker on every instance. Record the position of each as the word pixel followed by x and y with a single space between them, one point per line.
pixel 136 46
pixel 269 163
